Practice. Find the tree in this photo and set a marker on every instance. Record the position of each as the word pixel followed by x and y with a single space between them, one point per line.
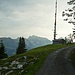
pixel 2 51
pixel 70 14
pixel 69 38
pixel 21 47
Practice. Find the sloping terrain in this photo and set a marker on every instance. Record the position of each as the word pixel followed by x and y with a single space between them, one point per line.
pixel 31 42
pixel 58 63
pixel 28 63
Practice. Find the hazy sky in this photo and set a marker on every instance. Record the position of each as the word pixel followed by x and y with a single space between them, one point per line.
pixel 32 17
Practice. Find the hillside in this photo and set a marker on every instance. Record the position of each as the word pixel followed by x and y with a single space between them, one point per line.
pixel 31 42
pixel 58 63
pixel 28 63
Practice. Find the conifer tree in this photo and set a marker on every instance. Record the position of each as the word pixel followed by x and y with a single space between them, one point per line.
pixel 21 47
pixel 2 51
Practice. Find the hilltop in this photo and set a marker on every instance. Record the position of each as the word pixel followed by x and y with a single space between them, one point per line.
pixel 28 63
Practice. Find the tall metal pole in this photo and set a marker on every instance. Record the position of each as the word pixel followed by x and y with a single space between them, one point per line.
pixel 55 20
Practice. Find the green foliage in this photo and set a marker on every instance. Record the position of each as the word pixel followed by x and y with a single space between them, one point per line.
pixel 2 51
pixel 21 47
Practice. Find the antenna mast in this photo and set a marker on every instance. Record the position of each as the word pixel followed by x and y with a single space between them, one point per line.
pixel 55 20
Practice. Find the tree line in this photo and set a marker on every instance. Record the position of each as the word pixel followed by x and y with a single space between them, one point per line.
pixel 20 49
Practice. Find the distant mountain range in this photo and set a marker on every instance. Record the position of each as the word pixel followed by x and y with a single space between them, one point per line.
pixel 31 42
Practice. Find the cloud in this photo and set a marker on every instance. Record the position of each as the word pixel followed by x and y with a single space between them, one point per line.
pixel 28 17
pixel 38 15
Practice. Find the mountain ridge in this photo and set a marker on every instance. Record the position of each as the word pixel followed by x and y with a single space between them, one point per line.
pixel 31 42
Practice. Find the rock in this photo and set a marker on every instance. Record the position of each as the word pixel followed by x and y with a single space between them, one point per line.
pixel 0 68
pixel 35 58
pixel 5 68
pixel 14 62
pixel 4 59
pixel 22 71
pixel 9 72
pixel 14 68
pixel 31 63
pixel 25 57
pixel 19 66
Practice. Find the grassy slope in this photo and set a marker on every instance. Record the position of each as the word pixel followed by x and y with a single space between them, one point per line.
pixel 41 53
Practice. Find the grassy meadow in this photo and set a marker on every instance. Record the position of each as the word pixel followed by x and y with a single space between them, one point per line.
pixel 35 58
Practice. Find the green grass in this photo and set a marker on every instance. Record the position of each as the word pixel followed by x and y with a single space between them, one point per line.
pixel 40 53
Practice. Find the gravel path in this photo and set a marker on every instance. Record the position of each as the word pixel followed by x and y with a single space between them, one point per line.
pixel 58 63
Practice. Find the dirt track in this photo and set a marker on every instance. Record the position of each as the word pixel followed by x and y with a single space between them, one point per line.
pixel 58 63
